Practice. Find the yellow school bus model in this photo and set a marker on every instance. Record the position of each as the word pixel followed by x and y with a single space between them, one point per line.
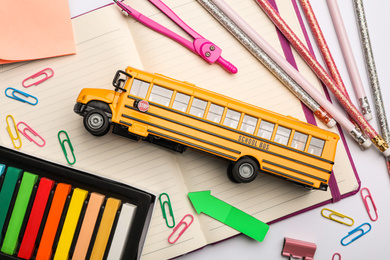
pixel 177 114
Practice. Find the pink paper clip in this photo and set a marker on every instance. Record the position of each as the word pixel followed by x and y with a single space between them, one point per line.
pixel 372 216
pixel 26 129
pixel 46 73
pixel 295 248
pixel 336 254
pixel 185 224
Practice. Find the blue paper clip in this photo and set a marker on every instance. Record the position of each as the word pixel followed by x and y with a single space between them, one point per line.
pixel 358 229
pixel 16 136
pixel 62 143
pixel 167 203
pixel 185 226
pixel 15 94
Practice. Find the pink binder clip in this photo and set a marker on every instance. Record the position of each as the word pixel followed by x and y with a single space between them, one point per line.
pixel 295 248
pixel 40 77
pixel 373 216
pixel 26 129
pixel 185 226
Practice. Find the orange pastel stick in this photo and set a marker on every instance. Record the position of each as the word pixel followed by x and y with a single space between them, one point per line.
pixel 53 219
pixel 94 204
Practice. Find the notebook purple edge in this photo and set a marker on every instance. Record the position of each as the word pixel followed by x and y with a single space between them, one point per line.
pixel 336 196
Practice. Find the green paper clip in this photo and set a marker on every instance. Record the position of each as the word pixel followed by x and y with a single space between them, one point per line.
pixel 62 143
pixel 10 180
pixel 18 213
pixel 168 203
pixel 204 202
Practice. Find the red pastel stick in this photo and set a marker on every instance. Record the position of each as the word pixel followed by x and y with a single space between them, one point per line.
pixel 34 222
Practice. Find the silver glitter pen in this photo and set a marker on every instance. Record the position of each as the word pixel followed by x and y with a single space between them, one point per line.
pixel 371 70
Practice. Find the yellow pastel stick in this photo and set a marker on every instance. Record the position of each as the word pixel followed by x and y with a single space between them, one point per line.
pixel 70 224
pixel 106 223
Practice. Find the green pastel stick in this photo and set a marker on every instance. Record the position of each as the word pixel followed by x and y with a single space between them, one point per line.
pixel 7 190
pixel 15 223
pixel 204 202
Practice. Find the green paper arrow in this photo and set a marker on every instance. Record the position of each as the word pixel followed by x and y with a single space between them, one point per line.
pixel 204 202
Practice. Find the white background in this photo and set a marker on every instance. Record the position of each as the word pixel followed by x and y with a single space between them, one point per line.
pixel 371 166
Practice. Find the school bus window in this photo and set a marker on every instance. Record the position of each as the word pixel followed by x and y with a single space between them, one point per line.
pixel 139 88
pixel 299 141
pixel 266 129
pixel 181 102
pixel 215 113
pixel 231 119
pixel 161 95
pixel 316 146
pixel 282 135
pixel 248 124
pixel 198 107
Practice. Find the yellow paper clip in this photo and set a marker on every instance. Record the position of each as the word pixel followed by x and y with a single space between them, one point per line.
pixel 373 216
pixel 339 216
pixel 167 203
pixel 185 226
pixel 62 143
pixel 24 131
pixel 16 136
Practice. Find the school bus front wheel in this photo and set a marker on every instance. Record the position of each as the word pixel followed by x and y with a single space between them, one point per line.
pixel 96 122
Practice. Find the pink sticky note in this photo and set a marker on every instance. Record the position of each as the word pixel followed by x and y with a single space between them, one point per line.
pixel 36 29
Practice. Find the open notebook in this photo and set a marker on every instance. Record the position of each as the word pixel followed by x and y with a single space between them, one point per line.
pixel 108 41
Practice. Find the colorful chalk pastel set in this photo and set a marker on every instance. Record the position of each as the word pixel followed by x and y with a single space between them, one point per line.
pixel 49 211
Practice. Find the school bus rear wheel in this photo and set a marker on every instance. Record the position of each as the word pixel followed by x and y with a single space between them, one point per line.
pixel 96 122
pixel 245 170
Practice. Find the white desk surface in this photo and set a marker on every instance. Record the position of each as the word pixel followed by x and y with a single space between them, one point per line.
pixel 371 166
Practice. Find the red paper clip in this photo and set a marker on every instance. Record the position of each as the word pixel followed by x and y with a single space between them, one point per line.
pixel 373 217
pixel 24 131
pixel 185 224
pixel 46 73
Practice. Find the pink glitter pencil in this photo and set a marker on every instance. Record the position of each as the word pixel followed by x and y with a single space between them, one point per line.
pixel 324 76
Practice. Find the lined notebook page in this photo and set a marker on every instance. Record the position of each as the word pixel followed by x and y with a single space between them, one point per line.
pixel 267 198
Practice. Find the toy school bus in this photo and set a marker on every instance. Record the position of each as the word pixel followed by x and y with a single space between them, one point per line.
pixel 177 114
